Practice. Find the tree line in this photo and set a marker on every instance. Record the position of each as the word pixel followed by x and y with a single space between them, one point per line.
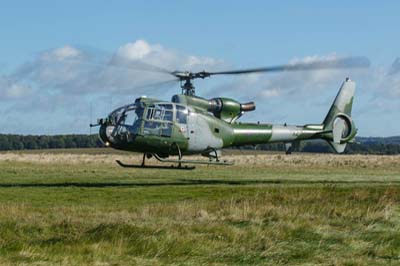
pixel 33 142
pixel 380 146
pixel 390 145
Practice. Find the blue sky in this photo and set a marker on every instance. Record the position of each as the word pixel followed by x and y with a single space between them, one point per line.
pixel 216 34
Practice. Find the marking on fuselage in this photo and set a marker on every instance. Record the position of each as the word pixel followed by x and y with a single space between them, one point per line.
pixel 251 131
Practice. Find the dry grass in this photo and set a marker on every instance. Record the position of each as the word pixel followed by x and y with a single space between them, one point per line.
pixel 245 159
pixel 278 226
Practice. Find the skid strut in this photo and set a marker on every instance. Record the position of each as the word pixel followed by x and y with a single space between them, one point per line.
pixel 179 161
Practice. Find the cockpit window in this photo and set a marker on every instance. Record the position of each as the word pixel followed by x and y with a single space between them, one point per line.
pixel 181 114
pixel 127 118
pixel 160 112
pixel 130 116
pixel 159 120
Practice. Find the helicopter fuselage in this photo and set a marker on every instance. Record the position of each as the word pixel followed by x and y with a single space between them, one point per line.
pixel 194 125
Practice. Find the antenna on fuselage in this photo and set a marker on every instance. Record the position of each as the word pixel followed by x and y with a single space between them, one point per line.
pixel 90 122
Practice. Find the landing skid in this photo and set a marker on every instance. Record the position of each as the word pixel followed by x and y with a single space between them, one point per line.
pixel 191 161
pixel 178 161
pixel 172 167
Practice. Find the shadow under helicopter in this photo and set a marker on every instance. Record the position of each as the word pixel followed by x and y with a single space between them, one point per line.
pixel 186 182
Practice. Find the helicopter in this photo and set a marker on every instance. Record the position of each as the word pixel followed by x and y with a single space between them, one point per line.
pixel 189 124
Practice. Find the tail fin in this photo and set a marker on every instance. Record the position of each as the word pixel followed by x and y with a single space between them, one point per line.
pixel 338 121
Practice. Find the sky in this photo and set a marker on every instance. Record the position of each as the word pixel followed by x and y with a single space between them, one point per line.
pixel 64 64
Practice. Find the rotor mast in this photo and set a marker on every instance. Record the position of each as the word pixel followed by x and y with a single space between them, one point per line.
pixel 186 80
pixel 187 87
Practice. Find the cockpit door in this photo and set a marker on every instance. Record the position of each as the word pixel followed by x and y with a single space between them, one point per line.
pixel 158 120
pixel 195 132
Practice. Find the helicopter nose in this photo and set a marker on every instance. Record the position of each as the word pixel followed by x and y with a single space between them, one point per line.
pixel 105 133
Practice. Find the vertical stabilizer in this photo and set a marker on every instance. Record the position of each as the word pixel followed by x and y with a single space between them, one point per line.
pixel 338 120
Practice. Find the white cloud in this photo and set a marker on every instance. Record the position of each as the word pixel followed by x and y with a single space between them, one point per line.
pixel 69 70
pixel 66 77
pixel 10 90
pixel 18 91
pixel 274 92
pixel 393 87
pixel 202 62
pixel 313 59
pixel 290 83
pixel 62 53
pixel 137 50
pixel 395 67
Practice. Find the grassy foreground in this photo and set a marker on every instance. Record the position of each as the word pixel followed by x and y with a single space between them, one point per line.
pixel 81 209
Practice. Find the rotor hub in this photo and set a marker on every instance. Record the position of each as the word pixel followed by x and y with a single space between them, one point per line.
pixel 188 88
pixel 186 78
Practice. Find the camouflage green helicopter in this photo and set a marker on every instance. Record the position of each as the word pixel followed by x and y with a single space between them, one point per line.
pixel 189 124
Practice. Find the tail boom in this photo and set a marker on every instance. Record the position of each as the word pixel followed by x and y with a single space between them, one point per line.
pixel 337 128
pixel 251 134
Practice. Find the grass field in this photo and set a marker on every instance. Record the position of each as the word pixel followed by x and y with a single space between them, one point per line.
pixel 79 208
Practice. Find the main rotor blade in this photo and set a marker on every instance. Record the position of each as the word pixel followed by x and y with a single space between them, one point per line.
pixel 105 59
pixel 166 83
pixel 129 65
pixel 136 65
pixel 347 62
pixel 155 85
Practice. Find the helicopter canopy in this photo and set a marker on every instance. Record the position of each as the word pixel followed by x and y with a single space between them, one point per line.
pixel 154 118
pixel 127 118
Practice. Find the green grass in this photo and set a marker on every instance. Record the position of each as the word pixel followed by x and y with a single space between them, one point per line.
pixel 94 213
